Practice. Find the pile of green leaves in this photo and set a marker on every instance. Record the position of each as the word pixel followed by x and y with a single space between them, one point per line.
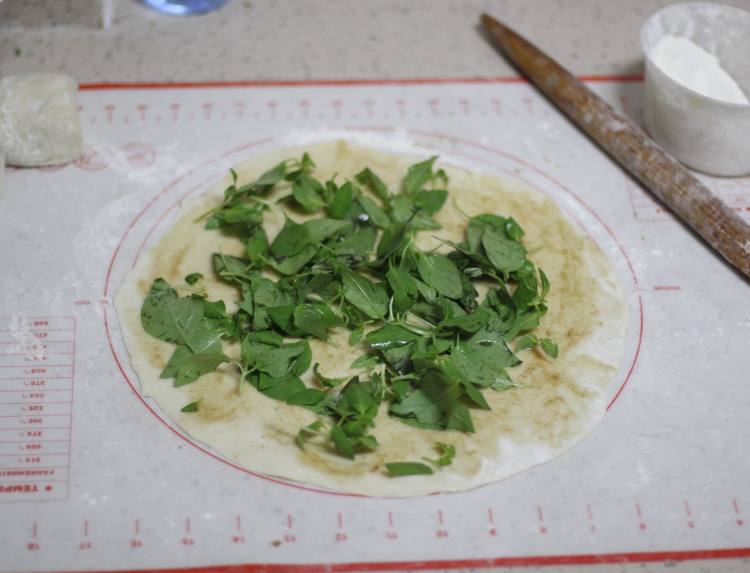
pixel 431 346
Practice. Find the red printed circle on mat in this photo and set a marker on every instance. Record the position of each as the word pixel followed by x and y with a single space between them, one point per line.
pixel 247 146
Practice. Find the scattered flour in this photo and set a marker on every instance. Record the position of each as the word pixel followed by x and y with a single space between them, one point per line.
pixel 23 341
pixel 692 66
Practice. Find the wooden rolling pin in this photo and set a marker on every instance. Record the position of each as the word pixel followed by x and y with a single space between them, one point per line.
pixel 707 214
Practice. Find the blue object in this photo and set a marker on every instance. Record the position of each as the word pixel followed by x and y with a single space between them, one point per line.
pixel 184 7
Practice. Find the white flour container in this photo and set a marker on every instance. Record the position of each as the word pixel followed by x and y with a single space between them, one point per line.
pixel 704 133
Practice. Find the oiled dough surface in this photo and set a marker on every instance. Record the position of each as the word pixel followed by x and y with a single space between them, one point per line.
pixel 556 404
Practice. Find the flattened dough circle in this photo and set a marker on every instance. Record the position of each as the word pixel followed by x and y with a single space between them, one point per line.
pixel 556 404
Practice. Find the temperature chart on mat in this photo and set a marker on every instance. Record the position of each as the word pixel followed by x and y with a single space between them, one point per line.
pixel 37 371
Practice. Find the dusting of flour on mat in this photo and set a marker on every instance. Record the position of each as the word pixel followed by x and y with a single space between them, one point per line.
pixel 692 66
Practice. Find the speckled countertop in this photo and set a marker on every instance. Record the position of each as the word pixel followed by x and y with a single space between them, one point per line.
pixel 325 39
pixel 268 39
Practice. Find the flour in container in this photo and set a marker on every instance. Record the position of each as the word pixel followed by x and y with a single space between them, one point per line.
pixel 695 68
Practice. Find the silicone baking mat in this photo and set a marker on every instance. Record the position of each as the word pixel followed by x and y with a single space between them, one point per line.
pixel 94 476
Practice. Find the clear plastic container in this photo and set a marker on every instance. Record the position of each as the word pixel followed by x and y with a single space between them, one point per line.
pixel 704 133
pixel 184 7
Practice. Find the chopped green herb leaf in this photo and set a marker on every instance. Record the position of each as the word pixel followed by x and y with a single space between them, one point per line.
pixel 446 454
pixel 193 278
pixel 430 346
pixel 368 296
pixel 399 469
pixel 439 272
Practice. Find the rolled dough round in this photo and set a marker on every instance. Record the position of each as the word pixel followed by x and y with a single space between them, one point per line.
pixel 557 402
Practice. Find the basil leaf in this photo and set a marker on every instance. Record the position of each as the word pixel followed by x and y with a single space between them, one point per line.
pixel 392 239
pixel 431 201
pixel 256 246
pixel 368 443
pixel 374 213
pixel 179 355
pixel 402 208
pixel 266 292
pixel 360 398
pixel 441 390
pixel 301 364
pixel 529 341
pixel 513 229
pixel 545 284
pixel 527 286
pixel 421 408
pixel 399 356
pixel 341 441
pixel 358 244
pixel 365 362
pixel 426 292
pixel 368 296
pixel 193 278
pixel 292 265
pixel 418 175
pixel 283 316
pixel 367 177
pixel 400 469
pixel 526 342
pixel 321 229
pixel 504 254
pixel 275 362
pixel 356 336
pixel 204 337
pixel 307 192
pixel 306 432
pixel 325 380
pixel 342 201
pixel 242 213
pixel 401 281
pixel 215 309
pixel 178 320
pixel 271 177
pixel 524 320
pixel 483 359
pixel 165 316
pixel 306 397
pixel 404 288
pixel 446 452
pixel 474 231
pixel 322 285
pixel 196 366
pixel 280 388
pixel 438 272
pixel 192 407
pixel 389 336
pixel 474 395
pixel 469 323
pixel 315 319
pixel 232 269
pixel 423 222
pixel 459 419
pixel 292 239
pixel 265 337
pixel 549 346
